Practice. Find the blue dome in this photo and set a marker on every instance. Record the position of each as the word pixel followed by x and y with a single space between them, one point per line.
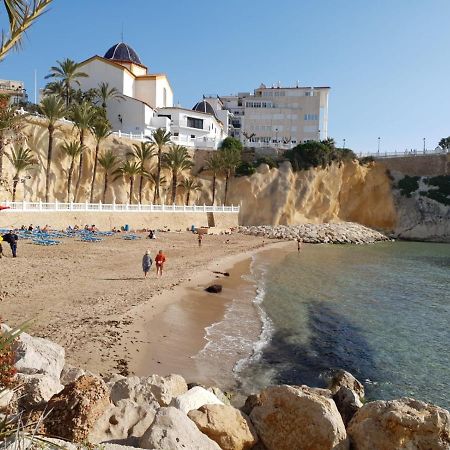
pixel 122 52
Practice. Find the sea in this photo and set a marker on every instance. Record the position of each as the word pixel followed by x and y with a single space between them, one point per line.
pixel 380 311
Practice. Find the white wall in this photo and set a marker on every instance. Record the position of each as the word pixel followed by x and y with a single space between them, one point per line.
pixel 99 71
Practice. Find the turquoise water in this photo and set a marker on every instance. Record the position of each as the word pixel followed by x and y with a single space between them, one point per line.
pixel 380 311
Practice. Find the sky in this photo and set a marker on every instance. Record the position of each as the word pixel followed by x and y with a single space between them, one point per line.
pixel 387 61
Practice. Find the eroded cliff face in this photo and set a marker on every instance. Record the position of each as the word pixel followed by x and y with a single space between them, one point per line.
pixel 349 192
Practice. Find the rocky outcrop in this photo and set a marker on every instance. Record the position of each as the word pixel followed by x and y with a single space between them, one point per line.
pixel 74 411
pixel 173 430
pixel 36 389
pixel 195 398
pixel 400 424
pixel 327 233
pixel 166 388
pixel 303 418
pixel 342 378
pixel 226 425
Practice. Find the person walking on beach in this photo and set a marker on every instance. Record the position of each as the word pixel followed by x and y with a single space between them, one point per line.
pixel 11 238
pixel 1 248
pixel 146 263
pixel 299 244
pixel 160 259
pixel 200 237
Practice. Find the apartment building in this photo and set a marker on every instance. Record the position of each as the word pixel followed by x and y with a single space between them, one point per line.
pixel 15 89
pixel 276 116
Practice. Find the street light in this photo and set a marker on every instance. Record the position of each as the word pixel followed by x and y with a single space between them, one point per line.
pixel 424 145
pixel 379 140
pixel 343 145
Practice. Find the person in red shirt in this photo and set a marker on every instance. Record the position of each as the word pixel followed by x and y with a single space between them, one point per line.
pixel 160 259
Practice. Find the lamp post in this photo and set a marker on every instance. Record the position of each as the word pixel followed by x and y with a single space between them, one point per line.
pixel 379 141
pixel 276 136
pixel 343 144
pixel 424 145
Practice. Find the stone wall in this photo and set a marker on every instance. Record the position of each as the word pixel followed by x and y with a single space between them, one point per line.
pixel 420 165
pixel 108 220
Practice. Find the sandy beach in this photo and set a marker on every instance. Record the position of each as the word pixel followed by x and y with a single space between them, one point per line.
pixel 93 300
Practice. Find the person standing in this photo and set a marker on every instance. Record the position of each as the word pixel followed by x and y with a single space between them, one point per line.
pixel 146 263
pixel 299 244
pixel 200 238
pixel 11 238
pixel 1 248
pixel 160 259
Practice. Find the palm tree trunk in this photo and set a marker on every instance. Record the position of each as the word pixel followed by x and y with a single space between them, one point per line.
pixel 94 171
pixel 214 189
pixel 158 177
pixel 174 187
pixel 131 188
pixel 69 179
pixel 15 182
pixel 80 167
pixel 187 197
pixel 141 185
pixel 49 161
pixel 226 189
pixel 105 187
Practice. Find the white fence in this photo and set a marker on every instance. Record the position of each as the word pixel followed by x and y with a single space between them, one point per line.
pixel 402 154
pixel 114 207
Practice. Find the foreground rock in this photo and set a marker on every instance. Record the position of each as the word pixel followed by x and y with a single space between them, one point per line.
pixel 326 233
pixel 341 378
pixel 226 425
pixel 289 417
pixel 400 424
pixel 36 389
pixel 74 411
pixel 173 430
pixel 195 398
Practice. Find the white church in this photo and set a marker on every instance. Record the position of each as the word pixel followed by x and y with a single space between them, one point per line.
pixel 147 102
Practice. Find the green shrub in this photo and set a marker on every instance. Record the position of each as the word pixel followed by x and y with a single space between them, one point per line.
pixel 408 185
pixel 245 169
pixel 442 193
pixel 266 160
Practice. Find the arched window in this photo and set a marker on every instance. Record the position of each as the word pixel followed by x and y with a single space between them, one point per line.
pixel 164 97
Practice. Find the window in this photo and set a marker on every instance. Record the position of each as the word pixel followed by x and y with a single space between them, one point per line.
pixel 192 136
pixel 165 115
pixel 176 134
pixel 192 122
pixel 311 117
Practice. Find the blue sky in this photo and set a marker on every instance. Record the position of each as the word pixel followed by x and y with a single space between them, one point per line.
pixel 387 61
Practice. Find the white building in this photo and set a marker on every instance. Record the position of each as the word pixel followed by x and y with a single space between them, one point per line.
pixel 279 117
pixel 147 102
pixel 15 90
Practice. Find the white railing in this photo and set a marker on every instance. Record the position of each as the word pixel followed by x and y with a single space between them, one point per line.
pixel 114 207
pixel 404 153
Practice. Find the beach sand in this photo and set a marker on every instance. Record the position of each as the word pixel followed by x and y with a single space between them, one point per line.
pixel 92 299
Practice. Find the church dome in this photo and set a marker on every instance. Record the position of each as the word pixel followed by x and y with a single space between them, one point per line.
pixel 204 107
pixel 122 52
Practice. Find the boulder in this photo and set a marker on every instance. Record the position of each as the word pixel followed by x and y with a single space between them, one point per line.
pixel 251 401
pixel 347 402
pixel 340 378
pixel 224 397
pixel 194 398
pixel 298 417
pixel 173 430
pixel 214 289
pixel 166 388
pixel 400 424
pixel 124 422
pixel 7 396
pixel 74 411
pixel 70 374
pixel 226 425
pixel 124 388
pixel 37 389
pixel 38 355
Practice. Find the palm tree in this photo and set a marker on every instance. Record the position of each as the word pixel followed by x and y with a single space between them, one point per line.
pixel 10 125
pixel 84 116
pixel 53 109
pixel 67 71
pixel 21 15
pixel 101 130
pixel 214 165
pixel 143 153
pixel 108 161
pixel 105 93
pixel 72 150
pixel 190 185
pixel 129 169
pixel 444 143
pixel 231 159
pixel 177 159
pixel 22 160
pixel 160 139
pixel 152 176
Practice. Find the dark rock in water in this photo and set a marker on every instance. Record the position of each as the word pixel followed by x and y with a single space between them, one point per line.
pixel 214 288
pixel 347 402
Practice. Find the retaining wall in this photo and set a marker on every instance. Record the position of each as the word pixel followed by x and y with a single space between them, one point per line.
pixel 419 165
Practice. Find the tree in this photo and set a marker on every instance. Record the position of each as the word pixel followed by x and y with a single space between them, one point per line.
pixel 53 109
pixel 444 143
pixel 67 71
pixel 152 176
pixel 105 93
pixel 108 162
pixel 22 160
pixel 21 15
pixel 11 124
pixel 214 165
pixel 101 130
pixel 129 169
pixel 190 185
pixel 143 153
pixel 160 139
pixel 72 149
pixel 84 116
pixel 177 160
pixel 231 157
pixel 231 143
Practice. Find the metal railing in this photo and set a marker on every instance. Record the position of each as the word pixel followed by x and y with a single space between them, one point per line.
pixel 405 153
pixel 114 207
